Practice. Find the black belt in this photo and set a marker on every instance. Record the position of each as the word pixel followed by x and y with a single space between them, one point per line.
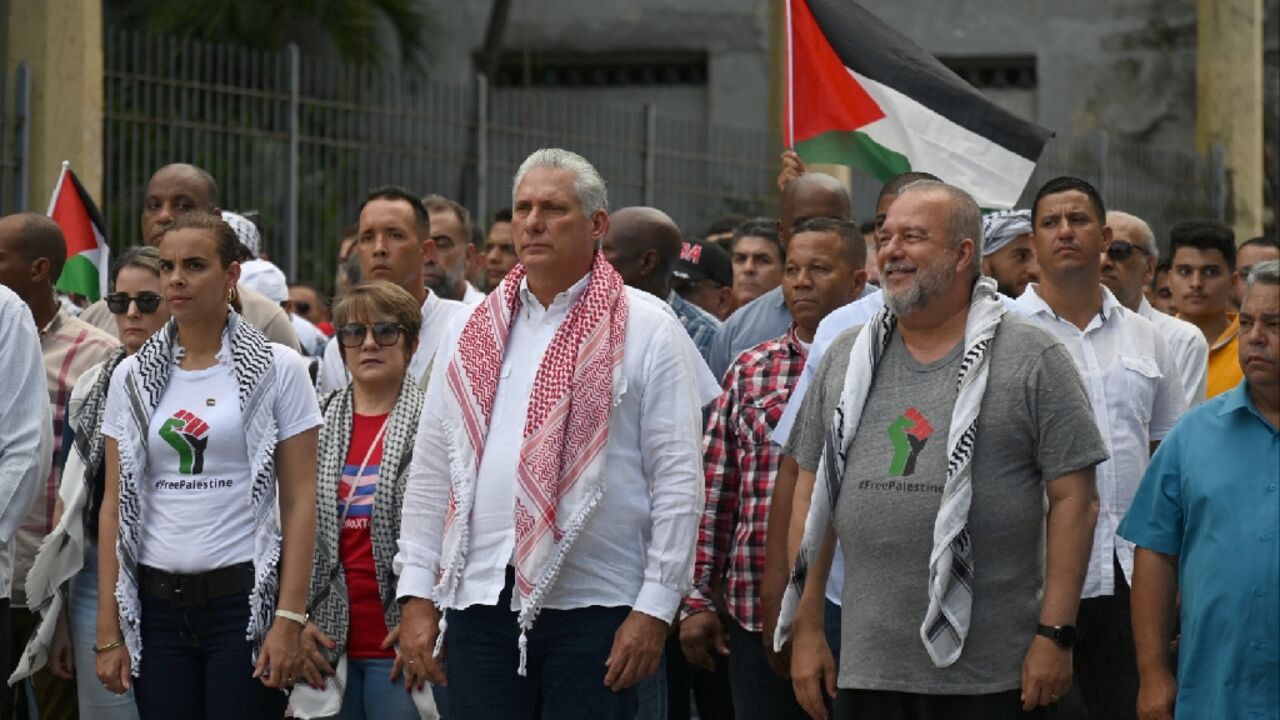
pixel 197 589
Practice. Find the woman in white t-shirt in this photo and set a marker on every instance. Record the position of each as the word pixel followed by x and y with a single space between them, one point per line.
pixel 208 505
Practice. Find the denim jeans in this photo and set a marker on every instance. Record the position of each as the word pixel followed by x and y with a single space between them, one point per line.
pixel 758 693
pixel 566 654
pixel 371 695
pixel 196 663
pixel 95 701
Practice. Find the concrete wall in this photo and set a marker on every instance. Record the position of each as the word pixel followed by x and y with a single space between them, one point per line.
pixel 61 40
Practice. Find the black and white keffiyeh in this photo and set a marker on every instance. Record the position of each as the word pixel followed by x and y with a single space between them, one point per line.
pixel 951 570
pixel 249 354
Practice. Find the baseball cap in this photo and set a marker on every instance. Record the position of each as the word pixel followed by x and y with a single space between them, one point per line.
pixel 704 261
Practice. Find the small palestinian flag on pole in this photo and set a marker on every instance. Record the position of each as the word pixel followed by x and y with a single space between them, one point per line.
pixel 861 94
pixel 88 257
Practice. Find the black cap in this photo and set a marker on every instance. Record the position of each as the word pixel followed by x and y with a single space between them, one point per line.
pixel 704 261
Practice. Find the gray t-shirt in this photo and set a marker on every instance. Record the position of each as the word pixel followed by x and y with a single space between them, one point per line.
pixel 1034 425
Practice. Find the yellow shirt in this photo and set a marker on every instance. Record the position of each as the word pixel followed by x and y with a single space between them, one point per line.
pixel 1224 360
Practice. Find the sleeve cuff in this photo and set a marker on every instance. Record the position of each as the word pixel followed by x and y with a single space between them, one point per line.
pixel 415 582
pixel 657 601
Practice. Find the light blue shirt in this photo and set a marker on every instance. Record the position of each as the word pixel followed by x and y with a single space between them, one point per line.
pixel 1211 496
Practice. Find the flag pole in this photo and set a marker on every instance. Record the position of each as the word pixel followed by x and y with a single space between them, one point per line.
pixel 57 187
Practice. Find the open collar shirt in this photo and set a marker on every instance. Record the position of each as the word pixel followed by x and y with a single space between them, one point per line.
pixel 1137 398
pixel 1188 348
pixel 636 549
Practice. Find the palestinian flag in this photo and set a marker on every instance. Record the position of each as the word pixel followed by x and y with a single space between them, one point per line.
pixel 88 257
pixel 861 94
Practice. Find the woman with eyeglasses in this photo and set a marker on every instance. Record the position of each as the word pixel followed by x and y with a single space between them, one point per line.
pixel 351 664
pixel 69 555
pixel 207 525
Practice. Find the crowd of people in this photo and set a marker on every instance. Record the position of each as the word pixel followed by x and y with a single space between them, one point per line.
pixel 578 465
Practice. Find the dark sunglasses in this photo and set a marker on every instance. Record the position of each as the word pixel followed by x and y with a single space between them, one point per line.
pixel 384 333
pixel 301 308
pixel 1121 250
pixel 118 303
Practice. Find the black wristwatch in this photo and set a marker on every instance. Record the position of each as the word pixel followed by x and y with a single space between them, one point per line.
pixel 1063 635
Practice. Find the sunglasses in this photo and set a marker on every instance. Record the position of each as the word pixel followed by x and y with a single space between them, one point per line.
pixel 118 303
pixel 1121 250
pixel 384 333
pixel 301 308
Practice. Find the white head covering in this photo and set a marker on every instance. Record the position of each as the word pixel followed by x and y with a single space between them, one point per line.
pixel 245 230
pixel 1003 227
pixel 266 279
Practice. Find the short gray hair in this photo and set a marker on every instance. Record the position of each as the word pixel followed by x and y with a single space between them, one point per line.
pixel 1267 273
pixel 587 183
pixel 1148 237
pixel 965 219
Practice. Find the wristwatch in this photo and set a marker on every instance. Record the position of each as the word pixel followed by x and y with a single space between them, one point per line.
pixel 1063 635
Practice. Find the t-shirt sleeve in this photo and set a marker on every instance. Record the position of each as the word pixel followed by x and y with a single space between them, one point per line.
pixel 809 434
pixel 113 415
pixel 297 409
pixel 1067 437
pixel 1155 517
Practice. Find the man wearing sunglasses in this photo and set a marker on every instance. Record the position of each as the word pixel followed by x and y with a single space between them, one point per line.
pixel 1136 397
pixel 32 253
pixel 392 243
pixel 1128 266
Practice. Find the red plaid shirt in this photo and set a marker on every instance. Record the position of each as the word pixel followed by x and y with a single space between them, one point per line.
pixel 741 463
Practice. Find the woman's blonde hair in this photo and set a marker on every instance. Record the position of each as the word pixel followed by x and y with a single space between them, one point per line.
pixel 380 299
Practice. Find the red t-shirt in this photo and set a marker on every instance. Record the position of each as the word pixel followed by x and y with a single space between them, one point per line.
pixel 355 543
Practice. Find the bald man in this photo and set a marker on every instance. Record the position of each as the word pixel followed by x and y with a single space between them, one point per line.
pixel 32 254
pixel 177 189
pixel 808 196
pixel 643 245
pixel 1128 265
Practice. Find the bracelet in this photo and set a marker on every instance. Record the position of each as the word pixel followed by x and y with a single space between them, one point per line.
pixel 99 649
pixel 296 617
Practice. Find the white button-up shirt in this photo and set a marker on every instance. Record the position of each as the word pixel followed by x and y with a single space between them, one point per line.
pixel 637 547
pixel 1137 398
pixel 438 316
pixel 1187 346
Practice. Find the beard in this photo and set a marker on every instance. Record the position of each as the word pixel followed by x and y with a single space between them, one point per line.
pixel 930 280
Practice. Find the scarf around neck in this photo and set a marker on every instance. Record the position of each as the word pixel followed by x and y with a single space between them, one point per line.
pixel 951 571
pixel 249 354
pixel 559 476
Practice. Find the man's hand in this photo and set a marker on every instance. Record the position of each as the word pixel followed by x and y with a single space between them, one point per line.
pixel 702 637
pixel 792 168
pixel 637 649
pixel 419 627
pixel 1157 691
pixel 813 668
pixel 1046 673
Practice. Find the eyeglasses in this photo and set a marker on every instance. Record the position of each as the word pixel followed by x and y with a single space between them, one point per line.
pixel 118 303
pixel 384 333
pixel 301 308
pixel 1121 250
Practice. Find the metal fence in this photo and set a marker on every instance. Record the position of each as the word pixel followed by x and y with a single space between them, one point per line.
pixel 300 141
pixel 15 137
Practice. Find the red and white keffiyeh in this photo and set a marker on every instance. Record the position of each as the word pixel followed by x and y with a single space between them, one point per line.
pixel 559 477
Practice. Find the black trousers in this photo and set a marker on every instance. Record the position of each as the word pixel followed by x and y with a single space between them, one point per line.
pixel 884 705
pixel 1106 666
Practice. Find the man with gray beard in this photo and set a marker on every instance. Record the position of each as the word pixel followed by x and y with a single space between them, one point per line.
pixel 959 595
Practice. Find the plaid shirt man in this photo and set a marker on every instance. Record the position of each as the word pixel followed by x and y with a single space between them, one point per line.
pixel 741 463
pixel 700 324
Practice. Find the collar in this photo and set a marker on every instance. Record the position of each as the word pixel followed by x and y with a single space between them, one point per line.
pixel 1145 308
pixel 1238 398
pixel 560 302
pixel 1229 334
pixel 432 301
pixel 780 300
pixel 59 317
pixel 794 343
pixel 1037 305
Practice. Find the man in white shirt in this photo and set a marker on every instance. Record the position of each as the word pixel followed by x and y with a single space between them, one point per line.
pixel 445 270
pixel 26 442
pixel 1129 265
pixel 556 476
pixel 392 241
pixel 1137 398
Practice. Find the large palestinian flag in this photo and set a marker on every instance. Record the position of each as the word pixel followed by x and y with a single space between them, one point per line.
pixel 88 257
pixel 861 94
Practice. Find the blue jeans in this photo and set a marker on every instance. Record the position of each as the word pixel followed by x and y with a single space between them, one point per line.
pixel 566 654
pixel 95 701
pixel 758 694
pixel 371 694
pixel 196 663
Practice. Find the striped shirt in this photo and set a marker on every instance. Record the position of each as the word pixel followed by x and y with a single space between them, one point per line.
pixel 701 325
pixel 741 462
